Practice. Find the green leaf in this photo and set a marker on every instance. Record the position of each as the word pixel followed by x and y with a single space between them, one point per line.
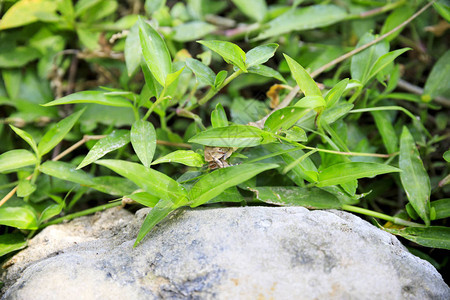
pixel 312 198
pixel 22 217
pixel 229 195
pixel 97 97
pixel 230 52
pixel 19 57
pixel 305 170
pixel 192 31
pixel 55 135
pixel 161 210
pixel 311 102
pixel 266 72
pixel 202 72
pixel 220 78
pixel 436 84
pixel 296 134
pixel 153 182
pixel 362 63
pixel 172 77
pixel 260 54
pixel 414 177
pixel 66 171
pixel 16 159
pixel 345 172
pixel 255 9
pixel 132 50
pixel 214 183
pixel 24 12
pixel 156 54
pixel 433 236
pixel 50 211
pixel 115 140
pixel 143 140
pixel 27 138
pixel 397 17
pixel 219 117
pixel 144 198
pixel 443 8
pixel 232 136
pixel 446 156
pixel 117 186
pixel 383 61
pixel 331 115
pixel 25 188
pixel 185 157
pixel 314 16
pixel 336 92
pixel 307 85
pixel 387 132
pixel 12 79
pixel 284 118
pixel 439 209
pixel 11 242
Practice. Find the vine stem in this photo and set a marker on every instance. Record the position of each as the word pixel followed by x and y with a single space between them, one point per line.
pixel 287 100
pixel 378 215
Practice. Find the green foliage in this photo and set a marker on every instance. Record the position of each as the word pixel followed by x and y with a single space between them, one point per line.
pixel 187 123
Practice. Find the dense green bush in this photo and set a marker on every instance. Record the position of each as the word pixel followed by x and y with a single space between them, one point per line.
pixel 200 102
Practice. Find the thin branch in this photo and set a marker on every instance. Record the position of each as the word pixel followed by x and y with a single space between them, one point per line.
pixel 419 91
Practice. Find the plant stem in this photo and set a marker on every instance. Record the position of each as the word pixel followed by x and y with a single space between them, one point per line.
pixel 213 92
pixel 378 215
pixel 157 102
pixel 82 213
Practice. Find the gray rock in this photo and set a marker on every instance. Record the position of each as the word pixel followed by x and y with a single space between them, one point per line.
pixel 226 253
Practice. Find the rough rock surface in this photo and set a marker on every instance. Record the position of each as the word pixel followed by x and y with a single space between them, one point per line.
pixel 227 253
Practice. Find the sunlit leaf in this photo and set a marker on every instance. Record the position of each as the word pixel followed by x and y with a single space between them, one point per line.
pixel 345 172
pixel 284 118
pixel 304 18
pixel 260 54
pixel 219 117
pixel 16 159
pixel 414 177
pixel 156 54
pixel 336 92
pixel 153 182
pixel 214 183
pixel 22 217
pixel 230 52
pixel 143 198
pixel 115 140
pixel 202 72
pixel 26 137
pixel 143 140
pixel 50 211
pixel 97 97
pixel 185 157
pixel 233 136
pixel 266 72
pixel 55 135
pixel 255 9
pixel 66 171
pixel 433 236
pixel 307 85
